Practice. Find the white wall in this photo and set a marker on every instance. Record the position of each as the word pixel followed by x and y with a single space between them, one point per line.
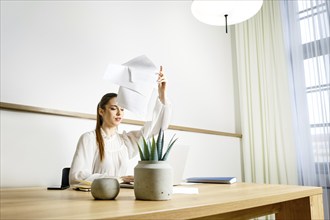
pixel 54 54
pixel 34 149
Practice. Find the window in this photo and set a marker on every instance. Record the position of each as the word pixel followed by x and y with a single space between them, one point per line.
pixel 314 26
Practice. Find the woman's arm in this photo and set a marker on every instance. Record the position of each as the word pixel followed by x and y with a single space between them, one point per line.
pixel 160 118
pixel 161 85
pixel 162 109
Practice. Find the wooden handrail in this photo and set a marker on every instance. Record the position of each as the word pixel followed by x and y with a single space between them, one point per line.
pixel 48 111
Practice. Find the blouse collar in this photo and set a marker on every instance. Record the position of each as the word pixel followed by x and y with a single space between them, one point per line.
pixel 105 136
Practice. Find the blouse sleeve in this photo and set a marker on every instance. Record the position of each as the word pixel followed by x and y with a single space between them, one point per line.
pixel 82 163
pixel 160 119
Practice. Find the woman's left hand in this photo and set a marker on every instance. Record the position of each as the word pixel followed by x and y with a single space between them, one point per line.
pixel 127 179
pixel 161 85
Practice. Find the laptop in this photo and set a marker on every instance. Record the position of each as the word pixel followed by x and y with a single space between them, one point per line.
pixel 65 180
pixel 177 160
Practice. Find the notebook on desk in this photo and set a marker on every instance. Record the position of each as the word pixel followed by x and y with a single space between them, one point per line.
pixel 177 160
pixel 219 179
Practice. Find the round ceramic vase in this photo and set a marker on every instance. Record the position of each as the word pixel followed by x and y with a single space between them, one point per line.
pixel 105 188
pixel 153 180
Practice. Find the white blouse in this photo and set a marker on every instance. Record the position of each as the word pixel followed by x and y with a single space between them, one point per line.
pixel 118 149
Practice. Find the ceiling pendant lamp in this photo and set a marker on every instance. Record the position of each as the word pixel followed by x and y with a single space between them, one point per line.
pixel 224 12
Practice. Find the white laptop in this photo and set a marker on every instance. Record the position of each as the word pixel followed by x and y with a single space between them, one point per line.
pixel 177 159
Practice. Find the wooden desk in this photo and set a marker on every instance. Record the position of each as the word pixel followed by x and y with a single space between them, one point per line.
pixel 214 201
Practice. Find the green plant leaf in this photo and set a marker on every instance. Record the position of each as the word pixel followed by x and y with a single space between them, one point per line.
pixel 146 149
pixel 170 145
pixel 160 144
pixel 153 150
pixel 141 153
pixel 154 154
pixel 149 147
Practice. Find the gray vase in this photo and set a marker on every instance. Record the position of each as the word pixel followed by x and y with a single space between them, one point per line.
pixel 153 180
pixel 105 188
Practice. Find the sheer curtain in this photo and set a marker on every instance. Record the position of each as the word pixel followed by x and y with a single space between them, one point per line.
pixel 306 24
pixel 268 145
pixel 283 79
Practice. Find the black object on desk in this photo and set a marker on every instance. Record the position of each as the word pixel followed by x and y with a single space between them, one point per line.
pixel 65 180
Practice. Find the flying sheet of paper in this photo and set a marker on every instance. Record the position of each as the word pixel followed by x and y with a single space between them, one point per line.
pixel 120 75
pixel 137 79
pixel 133 101
pixel 142 69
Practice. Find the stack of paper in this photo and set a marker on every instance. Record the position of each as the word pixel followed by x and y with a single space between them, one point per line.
pixel 83 185
pixel 137 79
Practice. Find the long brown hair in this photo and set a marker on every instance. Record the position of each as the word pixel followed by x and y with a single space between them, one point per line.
pixel 99 121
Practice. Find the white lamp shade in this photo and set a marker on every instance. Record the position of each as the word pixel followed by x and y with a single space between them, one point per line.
pixel 213 12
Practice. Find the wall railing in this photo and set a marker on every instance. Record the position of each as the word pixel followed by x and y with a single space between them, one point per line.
pixel 48 111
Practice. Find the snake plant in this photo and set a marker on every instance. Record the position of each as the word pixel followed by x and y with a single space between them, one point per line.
pixel 153 149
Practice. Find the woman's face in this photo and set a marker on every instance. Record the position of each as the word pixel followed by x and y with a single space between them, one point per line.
pixel 112 114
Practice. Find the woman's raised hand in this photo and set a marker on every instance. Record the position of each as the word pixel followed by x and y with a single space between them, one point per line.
pixel 161 85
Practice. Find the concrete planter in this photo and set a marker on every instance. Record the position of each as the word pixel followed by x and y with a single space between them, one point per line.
pixel 105 188
pixel 153 180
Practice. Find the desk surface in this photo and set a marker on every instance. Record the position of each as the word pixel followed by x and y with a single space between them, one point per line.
pixel 238 199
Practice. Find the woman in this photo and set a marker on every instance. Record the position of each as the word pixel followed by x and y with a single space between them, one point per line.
pixel 104 152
